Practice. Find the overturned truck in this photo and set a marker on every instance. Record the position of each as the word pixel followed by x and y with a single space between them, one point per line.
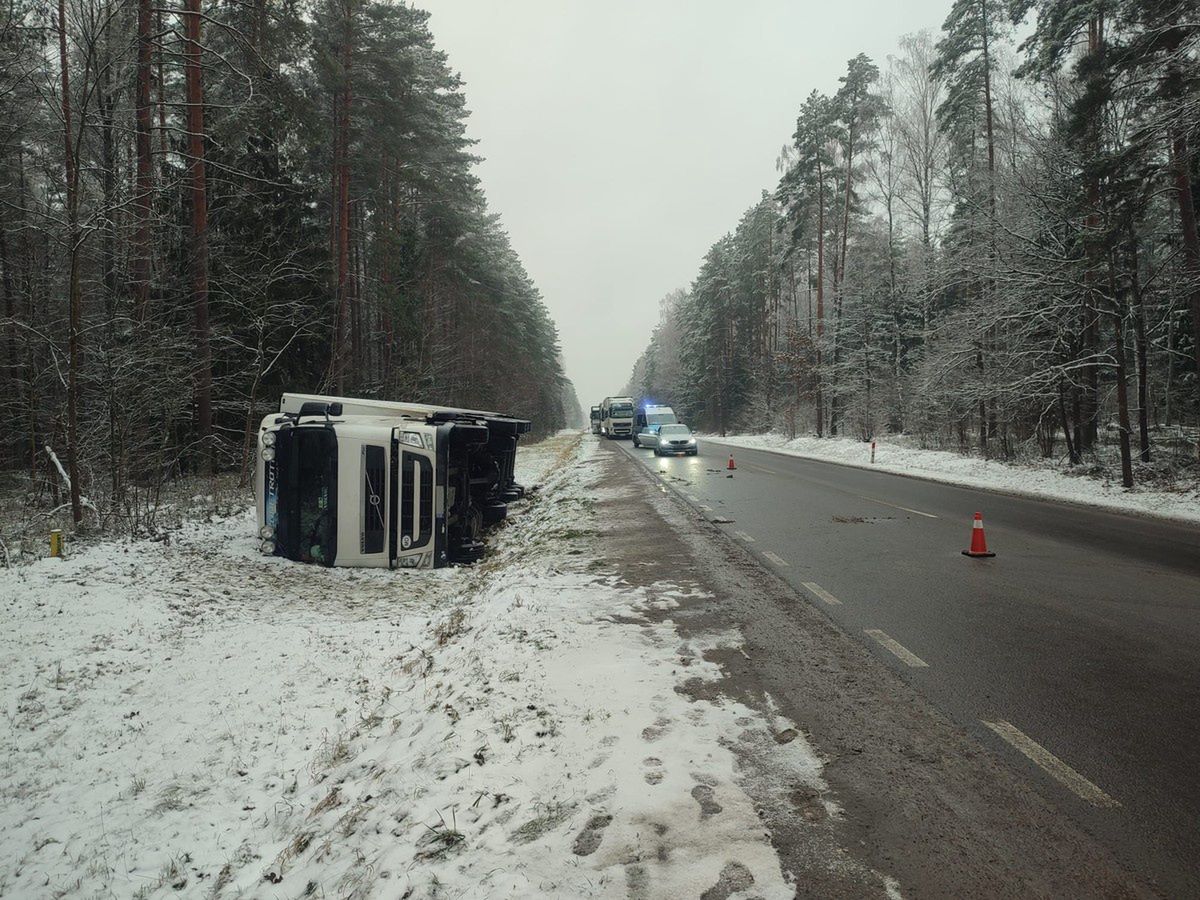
pixel 350 482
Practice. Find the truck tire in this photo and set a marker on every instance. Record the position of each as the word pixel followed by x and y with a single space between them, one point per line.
pixel 494 513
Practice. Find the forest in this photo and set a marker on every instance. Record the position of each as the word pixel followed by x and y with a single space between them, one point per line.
pixel 986 241
pixel 204 204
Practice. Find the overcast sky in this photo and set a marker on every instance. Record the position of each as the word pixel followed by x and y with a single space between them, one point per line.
pixel 621 138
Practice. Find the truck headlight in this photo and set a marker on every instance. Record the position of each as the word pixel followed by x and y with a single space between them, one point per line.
pixel 268 453
pixel 267 533
pixel 267 547
pixel 268 439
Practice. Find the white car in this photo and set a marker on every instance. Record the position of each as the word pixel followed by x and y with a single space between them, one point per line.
pixel 674 440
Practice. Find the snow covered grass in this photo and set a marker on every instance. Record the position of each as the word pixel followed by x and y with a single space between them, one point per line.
pixel 188 717
pixel 1025 479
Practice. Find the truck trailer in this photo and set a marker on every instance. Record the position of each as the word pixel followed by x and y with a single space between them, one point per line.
pixel 342 481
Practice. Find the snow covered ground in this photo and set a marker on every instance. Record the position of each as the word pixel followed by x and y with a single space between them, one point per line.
pixel 187 717
pixel 954 468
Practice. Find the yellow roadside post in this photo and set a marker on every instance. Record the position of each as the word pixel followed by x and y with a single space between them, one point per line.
pixel 56 543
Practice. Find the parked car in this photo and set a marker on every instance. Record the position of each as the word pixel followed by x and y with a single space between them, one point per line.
pixel 675 439
pixel 647 436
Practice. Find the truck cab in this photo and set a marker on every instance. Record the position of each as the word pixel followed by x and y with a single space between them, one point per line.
pixel 595 420
pixel 616 417
pixel 349 482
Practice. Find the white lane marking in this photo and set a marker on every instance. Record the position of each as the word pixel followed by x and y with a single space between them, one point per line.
pixel 915 512
pixel 897 649
pixel 822 593
pixel 778 560
pixel 742 651
pixel 706 507
pixel 1053 766
pixel 691 499
pixel 758 468
pixel 745 537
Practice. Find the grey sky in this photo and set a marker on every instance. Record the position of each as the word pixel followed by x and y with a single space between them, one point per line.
pixel 623 137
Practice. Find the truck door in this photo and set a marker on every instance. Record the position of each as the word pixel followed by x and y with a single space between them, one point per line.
pixel 416 501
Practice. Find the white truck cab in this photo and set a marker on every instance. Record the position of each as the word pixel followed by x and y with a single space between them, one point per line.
pixel 351 482
pixel 616 417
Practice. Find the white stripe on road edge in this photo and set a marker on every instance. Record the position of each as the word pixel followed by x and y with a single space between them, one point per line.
pixel 822 593
pixel 706 507
pixel 745 537
pixel 1051 764
pixel 778 560
pixel 897 649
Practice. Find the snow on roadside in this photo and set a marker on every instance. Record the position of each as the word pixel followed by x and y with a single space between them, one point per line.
pixel 972 471
pixel 193 717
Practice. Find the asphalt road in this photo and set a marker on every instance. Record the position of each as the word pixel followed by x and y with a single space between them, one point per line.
pixel 1074 653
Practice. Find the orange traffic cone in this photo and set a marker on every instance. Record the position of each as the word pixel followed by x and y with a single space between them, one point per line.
pixel 731 466
pixel 978 541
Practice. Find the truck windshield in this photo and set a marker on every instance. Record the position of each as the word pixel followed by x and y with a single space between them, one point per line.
pixel 306 480
pixel 620 411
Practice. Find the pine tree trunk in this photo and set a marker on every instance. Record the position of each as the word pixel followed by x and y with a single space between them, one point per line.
pixel 141 200
pixel 1141 350
pixel 162 96
pixel 342 235
pixel 988 112
pixel 1122 401
pixel 820 397
pixel 199 235
pixel 1191 240
pixel 74 289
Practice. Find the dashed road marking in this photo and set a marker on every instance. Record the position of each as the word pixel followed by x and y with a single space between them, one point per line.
pixel 915 512
pixel 759 468
pixel 1051 764
pixel 897 649
pixel 822 593
pixel 778 560
pixel 745 537
pixel 706 507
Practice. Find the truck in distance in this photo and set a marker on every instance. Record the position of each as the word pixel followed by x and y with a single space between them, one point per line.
pixel 595 420
pixel 354 482
pixel 616 417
